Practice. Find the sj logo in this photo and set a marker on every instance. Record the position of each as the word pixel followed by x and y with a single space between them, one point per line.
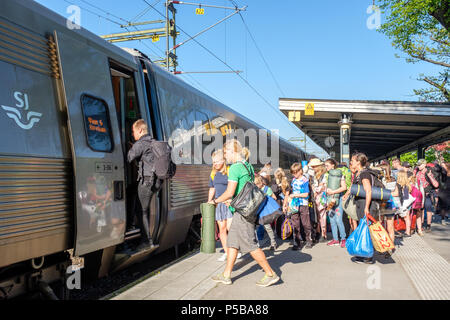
pixel 20 114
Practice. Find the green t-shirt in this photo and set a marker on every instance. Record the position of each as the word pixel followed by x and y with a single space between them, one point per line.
pixel 268 192
pixel 238 173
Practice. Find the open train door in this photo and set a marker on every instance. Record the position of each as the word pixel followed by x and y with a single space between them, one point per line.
pixel 98 161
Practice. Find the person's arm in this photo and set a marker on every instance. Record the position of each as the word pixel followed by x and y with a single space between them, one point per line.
pixel 368 189
pixel 212 192
pixel 434 182
pixel 274 196
pixel 300 195
pixel 229 193
pixel 341 189
pixel 395 193
pixel 135 152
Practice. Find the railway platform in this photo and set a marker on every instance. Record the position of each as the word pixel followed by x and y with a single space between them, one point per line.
pixel 418 270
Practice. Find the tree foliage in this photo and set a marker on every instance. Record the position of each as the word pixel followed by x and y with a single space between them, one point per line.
pixel 420 28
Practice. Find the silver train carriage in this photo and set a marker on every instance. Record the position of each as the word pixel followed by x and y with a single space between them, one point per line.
pixel 67 102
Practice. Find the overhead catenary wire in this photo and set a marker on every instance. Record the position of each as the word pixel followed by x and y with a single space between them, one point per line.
pixel 226 64
pixel 206 49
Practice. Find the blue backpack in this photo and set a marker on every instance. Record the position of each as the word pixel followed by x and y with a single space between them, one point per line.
pixel 268 211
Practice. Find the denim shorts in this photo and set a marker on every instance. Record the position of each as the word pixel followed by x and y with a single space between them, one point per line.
pixel 222 212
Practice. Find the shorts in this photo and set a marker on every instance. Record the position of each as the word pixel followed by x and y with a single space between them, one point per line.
pixel 242 235
pixel 429 207
pixel 222 212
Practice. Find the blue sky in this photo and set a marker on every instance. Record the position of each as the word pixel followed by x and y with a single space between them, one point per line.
pixel 315 49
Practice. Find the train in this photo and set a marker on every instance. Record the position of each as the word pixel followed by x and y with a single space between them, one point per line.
pixel 68 100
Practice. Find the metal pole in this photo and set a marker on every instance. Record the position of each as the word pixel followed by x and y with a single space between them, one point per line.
pixel 167 32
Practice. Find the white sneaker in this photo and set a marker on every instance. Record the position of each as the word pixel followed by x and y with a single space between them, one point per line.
pixel 239 255
pixel 223 257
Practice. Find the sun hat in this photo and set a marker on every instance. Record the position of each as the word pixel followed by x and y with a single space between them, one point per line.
pixel 315 162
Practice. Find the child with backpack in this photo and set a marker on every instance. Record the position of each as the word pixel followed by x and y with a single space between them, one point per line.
pixel 259 181
pixel 298 200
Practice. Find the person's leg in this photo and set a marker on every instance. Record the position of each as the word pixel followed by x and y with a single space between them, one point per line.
pixel 334 228
pixel 390 227
pixel 144 197
pixel 306 222
pixel 271 235
pixel 323 223
pixel 408 224
pixel 223 232
pixel 296 226
pixel 430 210
pixel 231 259
pixel 339 222
pixel 260 258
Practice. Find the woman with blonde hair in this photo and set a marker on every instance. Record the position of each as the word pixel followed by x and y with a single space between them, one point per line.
pixel 319 187
pixel 218 182
pixel 404 183
pixel 242 235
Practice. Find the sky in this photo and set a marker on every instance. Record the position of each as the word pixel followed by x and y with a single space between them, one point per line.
pixel 314 50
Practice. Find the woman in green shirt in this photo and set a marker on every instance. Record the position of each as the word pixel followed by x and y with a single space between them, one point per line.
pixel 242 235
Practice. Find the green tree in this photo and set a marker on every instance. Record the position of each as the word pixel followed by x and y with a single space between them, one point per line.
pixel 420 29
pixel 410 157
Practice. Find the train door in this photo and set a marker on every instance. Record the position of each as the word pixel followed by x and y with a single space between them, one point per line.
pixel 96 145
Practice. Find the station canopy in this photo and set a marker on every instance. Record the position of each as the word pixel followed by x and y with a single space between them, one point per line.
pixel 380 129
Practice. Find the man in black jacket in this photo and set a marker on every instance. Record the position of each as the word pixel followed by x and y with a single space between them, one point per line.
pixel 148 184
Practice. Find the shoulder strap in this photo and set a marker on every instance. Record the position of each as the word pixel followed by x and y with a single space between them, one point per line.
pixel 249 173
pixel 265 189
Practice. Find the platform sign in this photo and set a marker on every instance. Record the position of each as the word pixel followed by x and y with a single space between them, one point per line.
pixel 294 116
pixel 199 11
pixel 309 109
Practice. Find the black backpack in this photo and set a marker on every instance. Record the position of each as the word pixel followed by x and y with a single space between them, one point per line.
pixel 376 178
pixel 439 173
pixel 163 166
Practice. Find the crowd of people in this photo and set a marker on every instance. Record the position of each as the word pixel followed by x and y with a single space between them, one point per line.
pixel 317 196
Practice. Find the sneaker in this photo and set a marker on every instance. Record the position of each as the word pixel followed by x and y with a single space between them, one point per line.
pixel 420 233
pixel 239 255
pixel 333 243
pixel 309 245
pixel 363 260
pixel 267 280
pixel 222 279
pixel 343 243
pixel 273 248
pixel 223 257
pixel 295 248
pixel 427 229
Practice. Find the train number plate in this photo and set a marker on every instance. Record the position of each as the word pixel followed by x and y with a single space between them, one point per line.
pixel 103 167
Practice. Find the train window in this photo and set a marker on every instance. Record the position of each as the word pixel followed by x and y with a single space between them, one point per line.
pixel 97 124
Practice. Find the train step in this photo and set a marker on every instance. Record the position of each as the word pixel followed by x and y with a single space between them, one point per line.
pixel 124 259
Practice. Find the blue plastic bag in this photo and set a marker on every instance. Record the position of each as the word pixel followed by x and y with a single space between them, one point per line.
pixel 359 243
pixel 268 211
